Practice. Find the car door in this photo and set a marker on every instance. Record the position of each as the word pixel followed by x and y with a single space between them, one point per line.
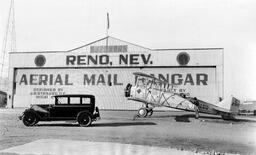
pixel 75 103
pixel 61 109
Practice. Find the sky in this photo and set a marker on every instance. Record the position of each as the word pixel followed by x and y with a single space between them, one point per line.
pixel 56 25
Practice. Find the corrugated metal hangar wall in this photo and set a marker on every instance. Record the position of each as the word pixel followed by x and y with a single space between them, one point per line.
pixel 103 68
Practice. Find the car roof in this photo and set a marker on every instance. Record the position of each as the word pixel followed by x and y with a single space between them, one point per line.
pixel 75 95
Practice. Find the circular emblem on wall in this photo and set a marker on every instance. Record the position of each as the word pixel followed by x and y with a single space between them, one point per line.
pixel 183 58
pixel 40 60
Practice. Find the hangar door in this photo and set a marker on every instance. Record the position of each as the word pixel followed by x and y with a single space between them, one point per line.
pixel 36 86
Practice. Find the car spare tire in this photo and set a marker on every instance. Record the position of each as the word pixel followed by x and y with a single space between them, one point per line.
pixel 84 119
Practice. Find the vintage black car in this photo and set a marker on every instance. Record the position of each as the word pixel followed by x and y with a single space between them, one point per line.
pixel 67 107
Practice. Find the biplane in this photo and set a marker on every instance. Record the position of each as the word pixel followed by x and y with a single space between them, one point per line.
pixel 154 92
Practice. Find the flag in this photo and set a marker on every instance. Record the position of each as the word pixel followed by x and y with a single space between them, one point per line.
pixel 107 20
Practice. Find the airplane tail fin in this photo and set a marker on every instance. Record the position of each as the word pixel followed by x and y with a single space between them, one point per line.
pixel 232 104
pixel 235 105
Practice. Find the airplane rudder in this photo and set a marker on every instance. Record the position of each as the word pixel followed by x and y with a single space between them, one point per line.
pixel 235 104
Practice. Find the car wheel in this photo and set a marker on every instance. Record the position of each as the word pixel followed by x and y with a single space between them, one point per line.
pixel 142 112
pixel 84 119
pixel 29 119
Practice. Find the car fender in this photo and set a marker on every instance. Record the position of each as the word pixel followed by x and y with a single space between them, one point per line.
pixel 85 111
pixel 39 109
pixel 31 111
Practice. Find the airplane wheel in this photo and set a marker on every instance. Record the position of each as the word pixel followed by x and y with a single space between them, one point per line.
pixel 142 112
pixel 150 112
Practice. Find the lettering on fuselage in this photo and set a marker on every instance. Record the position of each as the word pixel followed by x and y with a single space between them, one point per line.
pixel 203 107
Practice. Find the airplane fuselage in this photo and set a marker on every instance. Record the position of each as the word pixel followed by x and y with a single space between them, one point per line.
pixel 158 98
pixel 155 92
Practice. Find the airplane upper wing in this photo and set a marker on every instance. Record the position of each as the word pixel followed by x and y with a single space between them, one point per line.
pixel 150 76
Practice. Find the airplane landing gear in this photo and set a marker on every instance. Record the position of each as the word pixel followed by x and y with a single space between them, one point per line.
pixel 142 112
pixel 150 112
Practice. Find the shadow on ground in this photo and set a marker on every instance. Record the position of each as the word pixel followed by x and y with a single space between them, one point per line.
pixel 182 119
pixel 57 125
pixel 111 124
pixel 116 124
pixel 205 118
pixel 186 117
pixel 213 119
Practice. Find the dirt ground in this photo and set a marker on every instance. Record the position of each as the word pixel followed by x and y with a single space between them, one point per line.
pixel 172 129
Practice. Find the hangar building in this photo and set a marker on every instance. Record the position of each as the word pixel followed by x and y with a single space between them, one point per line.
pixel 104 67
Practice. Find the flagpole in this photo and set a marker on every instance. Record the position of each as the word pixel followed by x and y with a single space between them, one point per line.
pixel 107 32
pixel 107 24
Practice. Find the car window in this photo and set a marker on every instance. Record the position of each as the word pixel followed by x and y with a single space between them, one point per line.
pixel 74 100
pixel 62 100
pixel 86 100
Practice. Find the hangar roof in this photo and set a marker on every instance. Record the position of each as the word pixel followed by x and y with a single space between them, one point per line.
pixel 113 52
pixel 109 40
